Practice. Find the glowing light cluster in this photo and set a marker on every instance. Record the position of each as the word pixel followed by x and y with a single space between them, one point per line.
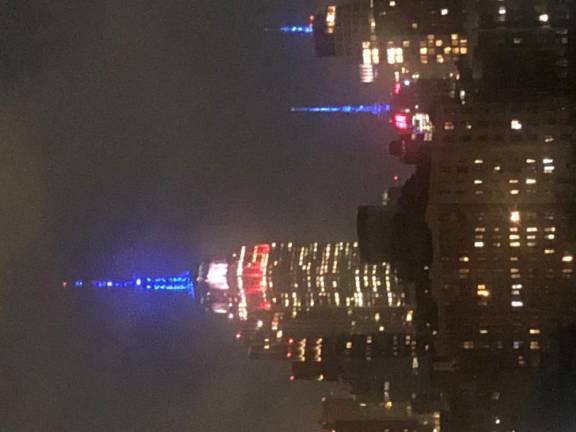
pixel 179 282
pixel 296 29
pixel 217 276
pixel 376 109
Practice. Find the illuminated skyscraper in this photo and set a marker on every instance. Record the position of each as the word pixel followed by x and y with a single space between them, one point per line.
pixel 501 207
pixel 526 46
pixel 403 40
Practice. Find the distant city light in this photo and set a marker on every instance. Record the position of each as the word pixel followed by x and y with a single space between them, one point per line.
pixel 515 216
pixel 516 125
pixel 401 121
pixel 376 109
pixel 179 282
pixel 217 276
pixel 296 29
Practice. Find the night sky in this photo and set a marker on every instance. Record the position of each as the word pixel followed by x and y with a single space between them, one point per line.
pixel 141 135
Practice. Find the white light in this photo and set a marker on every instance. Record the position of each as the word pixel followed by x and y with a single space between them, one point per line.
pixel 515 216
pixel 260 324
pixel 217 277
pixel 543 18
pixel 547 161
pixel 444 11
pixel 530 181
pixel 478 182
pixel 478 161
pixel 517 303
pixel 501 10
pixel 530 161
pixel 567 258
pixel 516 125
pixel 479 244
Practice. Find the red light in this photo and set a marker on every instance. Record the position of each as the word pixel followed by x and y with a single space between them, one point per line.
pixel 397 88
pixel 288 355
pixel 311 18
pixel 238 335
pixel 292 377
pixel 401 121
pixel 396 178
pixel 290 341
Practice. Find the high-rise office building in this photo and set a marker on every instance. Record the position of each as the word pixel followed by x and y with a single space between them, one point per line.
pixel 405 40
pixel 502 192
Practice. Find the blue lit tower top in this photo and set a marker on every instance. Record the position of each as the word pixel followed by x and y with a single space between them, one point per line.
pixel 301 29
pixel 179 282
pixel 377 109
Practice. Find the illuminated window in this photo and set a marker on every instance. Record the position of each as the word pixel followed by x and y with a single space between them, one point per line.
pixel 534 345
pixel 439 58
pixel 439 42
pixel 514 192
pixel 534 331
pixel 515 216
pixel 548 139
pixel 513 229
pixel 448 125
pixel 478 161
pixel 501 10
pixel 516 125
pixel 532 229
pixel 515 244
pixel 497 168
pixel 376 56
pixel 517 303
pixel 464 259
pixel 395 55
pixel 530 181
pixel 444 11
pixel 468 345
pixel 550 229
pixel 479 244
pixel 478 182
pixel 447 50
pixel 330 18
pixel 513 181
pixel 567 258
pixel 392 3
pixel 548 169
pixel 547 161
pixel 463 50
pixel 530 161
pixel 514 237
pixel 517 286
pixel 550 236
pixel 549 251
pixel 482 291
pixel 543 18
